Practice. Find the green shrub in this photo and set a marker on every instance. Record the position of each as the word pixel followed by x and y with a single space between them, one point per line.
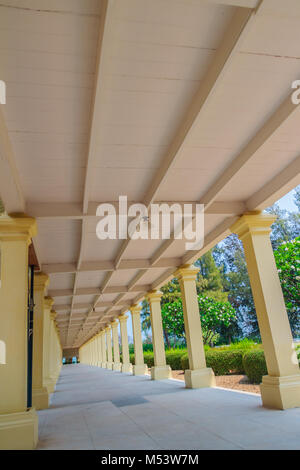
pixel 255 365
pixel 225 362
pixel 185 362
pixel 221 362
pixel 131 358
pixel 244 344
pixel 298 351
pixel 149 358
pixel 173 358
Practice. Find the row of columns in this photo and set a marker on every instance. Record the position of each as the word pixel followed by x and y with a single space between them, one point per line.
pixel 18 424
pixel 280 388
pixel 47 351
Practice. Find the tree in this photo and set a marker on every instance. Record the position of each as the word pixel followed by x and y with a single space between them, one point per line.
pixel 297 197
pixel 215 317
pixel 208 283
pixel 209 278
pixel 230 259
pixel 285 228
pixel 287 258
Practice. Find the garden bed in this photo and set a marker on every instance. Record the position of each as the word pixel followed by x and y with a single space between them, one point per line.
pixel 233 382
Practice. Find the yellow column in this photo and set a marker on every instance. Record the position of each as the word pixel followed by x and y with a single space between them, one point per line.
pixel 115 336
pixel 94 346
pixel 53 376
pixel 48 302
pixel 139 367
pixel 99 349
pixel 198 375
pixel 160 370
pixel 90 353
pixel 40 395
pixel 18 427
pixel 109 348
pixel 281 387
pixel 126 365
pixel 104 352
pixel 58 351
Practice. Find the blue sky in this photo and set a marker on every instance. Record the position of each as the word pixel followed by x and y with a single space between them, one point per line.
pixel 286 202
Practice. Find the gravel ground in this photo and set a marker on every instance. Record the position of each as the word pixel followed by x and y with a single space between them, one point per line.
pixel 235 382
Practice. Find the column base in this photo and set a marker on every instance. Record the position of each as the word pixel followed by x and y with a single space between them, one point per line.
pixel 127 368
pixel 140 369
pixel 19 431
pixel 199 378
pixel 109 365
pixel 161 372
pixel 103 365
pixel 117 366
pixel 280 392
pixel 40 398
pixel 50 385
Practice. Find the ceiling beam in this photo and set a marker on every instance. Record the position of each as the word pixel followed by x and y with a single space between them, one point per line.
pixel 63 308
pixel 73 211
pixel 97 291
pixel 235 3
pixel 275 189
pixel 96 266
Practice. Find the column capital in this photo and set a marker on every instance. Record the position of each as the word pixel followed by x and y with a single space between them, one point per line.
pixel 17 226
pixel 41 281
pixel 253 222
pixel 186 272
pixel 135 309
pixel 107 328
pixel 53 315
pixel 122 318
pixel 154 296
pixel 48 302
pixel 114 324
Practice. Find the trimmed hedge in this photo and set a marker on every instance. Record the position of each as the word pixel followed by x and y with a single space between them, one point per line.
pixel 173 358
pixel 222 362
pixel 255 366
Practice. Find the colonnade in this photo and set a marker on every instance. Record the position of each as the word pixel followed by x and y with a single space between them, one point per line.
pixel 18 423
pixel 279 389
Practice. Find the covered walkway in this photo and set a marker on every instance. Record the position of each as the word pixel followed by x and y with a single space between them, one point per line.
pixel 95 408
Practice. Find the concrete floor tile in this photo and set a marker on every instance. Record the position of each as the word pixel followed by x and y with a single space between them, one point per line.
pixel 97 408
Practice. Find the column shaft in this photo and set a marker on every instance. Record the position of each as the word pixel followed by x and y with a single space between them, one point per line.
pixel 126 365
pixel 198 375
pixel 281 387
pixel 104 350
pixel 115 337
pixel 139 367
pixel 18 427
pixel 40 394
pixel 109 348
pixel 160 370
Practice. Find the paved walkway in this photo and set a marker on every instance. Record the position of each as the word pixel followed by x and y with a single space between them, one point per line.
pixel 94 408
